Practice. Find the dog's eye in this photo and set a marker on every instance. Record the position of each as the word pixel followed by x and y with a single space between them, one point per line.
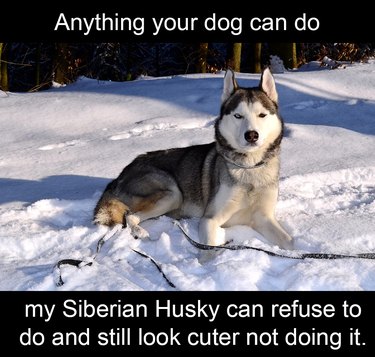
pixel 238 116
pixel 262 115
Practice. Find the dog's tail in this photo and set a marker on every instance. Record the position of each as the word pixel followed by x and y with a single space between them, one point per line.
pixel 110 211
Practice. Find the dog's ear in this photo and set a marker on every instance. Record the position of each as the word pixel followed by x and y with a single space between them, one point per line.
pixel 267 84
pixel 230 85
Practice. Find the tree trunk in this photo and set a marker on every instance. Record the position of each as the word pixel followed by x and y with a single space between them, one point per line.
pixel 237 47
pixel 61 64
pixel 129 61
pixel 158 59
pixel 234 51
pixel 37 64
pixel 202 58
pixel 4 85
pixel 258 58
pixel 287 52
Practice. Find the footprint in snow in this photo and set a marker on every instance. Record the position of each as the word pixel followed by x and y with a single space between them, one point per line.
pixel 335 192
pixel 314 104
pixel 143 131
pixel 62 145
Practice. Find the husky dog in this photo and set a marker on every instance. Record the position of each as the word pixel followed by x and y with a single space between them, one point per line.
pixel 232 181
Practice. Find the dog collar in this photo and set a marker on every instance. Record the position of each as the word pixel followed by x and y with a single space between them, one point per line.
pixel 259 164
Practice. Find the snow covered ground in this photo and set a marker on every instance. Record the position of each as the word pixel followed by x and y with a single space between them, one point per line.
pixel 59 148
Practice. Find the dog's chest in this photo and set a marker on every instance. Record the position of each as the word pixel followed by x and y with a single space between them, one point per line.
pixel 244 203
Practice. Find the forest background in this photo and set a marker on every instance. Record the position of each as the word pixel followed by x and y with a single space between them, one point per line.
pixel 35 66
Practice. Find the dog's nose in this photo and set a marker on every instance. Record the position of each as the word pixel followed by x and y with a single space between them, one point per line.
pixel 251 136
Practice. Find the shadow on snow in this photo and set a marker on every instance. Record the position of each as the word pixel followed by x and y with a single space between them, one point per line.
pixel 68 187
pixel 203 95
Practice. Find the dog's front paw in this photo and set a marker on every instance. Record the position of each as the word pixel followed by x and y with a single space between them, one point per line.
pixel 286 244
pixel 139 233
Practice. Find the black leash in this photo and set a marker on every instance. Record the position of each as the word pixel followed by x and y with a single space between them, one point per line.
pixel 144 255
pixel 79 263
pixel 273 254
pixel 57 268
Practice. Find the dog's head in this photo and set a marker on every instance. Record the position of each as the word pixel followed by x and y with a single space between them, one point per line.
pixel 249 117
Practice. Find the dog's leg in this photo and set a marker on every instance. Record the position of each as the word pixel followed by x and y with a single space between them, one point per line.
pixel 272 230
pixel 208 230
pixel 219 211
pixel 136 200
pixel 150 207
pixel 209 233
pixel 264 222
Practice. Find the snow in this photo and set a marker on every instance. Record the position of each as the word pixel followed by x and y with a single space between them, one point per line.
pixel 277 65
pixel 59 149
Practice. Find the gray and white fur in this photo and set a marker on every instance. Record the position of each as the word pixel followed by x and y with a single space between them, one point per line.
pixel 232 181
